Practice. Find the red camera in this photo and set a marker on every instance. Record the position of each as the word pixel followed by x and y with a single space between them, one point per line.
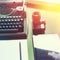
pixel 39 25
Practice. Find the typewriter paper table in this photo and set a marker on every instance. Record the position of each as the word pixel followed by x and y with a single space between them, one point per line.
pixel 10 50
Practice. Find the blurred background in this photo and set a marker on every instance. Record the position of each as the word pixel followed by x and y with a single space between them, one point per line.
pixel 49 11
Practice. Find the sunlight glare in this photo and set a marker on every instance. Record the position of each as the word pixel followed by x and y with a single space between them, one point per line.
pixel 52 1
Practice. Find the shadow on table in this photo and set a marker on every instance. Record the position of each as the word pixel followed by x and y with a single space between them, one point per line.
pixel 41 54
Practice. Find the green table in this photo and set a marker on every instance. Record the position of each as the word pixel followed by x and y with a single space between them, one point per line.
pixel 30 42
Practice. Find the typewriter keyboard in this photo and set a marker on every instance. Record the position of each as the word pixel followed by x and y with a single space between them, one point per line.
pixel 11 24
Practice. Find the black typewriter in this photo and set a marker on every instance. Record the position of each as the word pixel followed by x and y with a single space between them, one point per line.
pixel 12 21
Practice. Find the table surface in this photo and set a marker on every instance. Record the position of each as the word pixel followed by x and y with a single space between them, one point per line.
pixel 10 49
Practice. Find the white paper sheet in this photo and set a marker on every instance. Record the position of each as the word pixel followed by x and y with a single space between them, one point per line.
pixel 47 41
pixel 10 50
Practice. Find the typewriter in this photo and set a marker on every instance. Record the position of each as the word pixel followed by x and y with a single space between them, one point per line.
pixel 13 23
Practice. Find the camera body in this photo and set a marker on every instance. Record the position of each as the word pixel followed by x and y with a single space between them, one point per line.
pixel 39 25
